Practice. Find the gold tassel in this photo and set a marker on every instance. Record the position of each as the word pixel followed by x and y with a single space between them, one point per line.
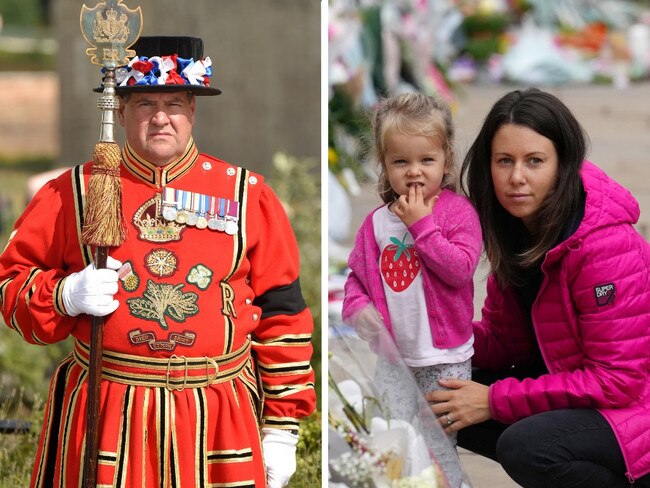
pixel 103 223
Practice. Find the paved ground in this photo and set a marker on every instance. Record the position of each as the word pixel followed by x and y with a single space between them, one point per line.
pixel 618 124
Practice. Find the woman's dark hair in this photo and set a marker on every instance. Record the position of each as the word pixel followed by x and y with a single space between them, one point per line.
pixel 548 116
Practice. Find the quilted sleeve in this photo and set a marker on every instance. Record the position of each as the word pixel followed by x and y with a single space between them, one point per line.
pixel 600 358
pixel 282 340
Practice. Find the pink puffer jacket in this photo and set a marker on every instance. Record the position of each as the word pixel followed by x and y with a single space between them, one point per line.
pixel 592 321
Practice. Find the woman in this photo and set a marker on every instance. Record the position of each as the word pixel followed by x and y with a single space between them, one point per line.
pixel 561 394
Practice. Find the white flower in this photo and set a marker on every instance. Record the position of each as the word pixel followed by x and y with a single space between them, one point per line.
pixel 407 442
pixel 426 479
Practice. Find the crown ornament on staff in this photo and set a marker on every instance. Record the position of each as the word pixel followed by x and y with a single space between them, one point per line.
pixel 111 28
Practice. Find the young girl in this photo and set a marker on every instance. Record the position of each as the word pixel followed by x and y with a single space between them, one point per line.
pixel 414 258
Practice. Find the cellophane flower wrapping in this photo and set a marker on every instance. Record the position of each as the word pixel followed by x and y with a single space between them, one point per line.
pixel 368 446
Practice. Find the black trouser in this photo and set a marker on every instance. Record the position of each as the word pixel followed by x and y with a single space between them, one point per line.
pixel 571 448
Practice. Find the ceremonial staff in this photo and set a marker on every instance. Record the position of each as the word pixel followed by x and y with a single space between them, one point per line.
pixel 111 28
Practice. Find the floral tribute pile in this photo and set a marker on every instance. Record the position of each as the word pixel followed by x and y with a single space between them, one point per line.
pixel 368 448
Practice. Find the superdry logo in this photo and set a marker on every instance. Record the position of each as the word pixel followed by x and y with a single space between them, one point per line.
pixel 604 294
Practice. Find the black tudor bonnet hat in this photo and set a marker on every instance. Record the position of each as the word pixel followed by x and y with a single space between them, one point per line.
pixel 166 63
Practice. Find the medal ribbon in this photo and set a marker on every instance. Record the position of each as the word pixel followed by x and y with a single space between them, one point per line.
pixel 222 207
pixel 203 204
pixel 185 198
pixel 195 201
pixel 233 210
pixel 168 196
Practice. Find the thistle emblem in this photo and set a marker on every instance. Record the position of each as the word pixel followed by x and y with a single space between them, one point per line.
pixel 160 300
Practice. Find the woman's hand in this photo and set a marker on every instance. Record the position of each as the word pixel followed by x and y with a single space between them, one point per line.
pixel 412 207
pixel 464 403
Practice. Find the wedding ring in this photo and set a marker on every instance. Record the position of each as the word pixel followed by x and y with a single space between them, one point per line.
pixel 449 421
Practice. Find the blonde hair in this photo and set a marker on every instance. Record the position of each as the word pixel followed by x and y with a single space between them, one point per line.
pixel 413 114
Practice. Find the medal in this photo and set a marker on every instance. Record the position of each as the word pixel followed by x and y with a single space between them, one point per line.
pixel 201 221
pixel 232 218
pixel 169 204
pixel 169 213
pixel 212 214
pixel 221 214
pixel 181 199
pixel 181 217
pixel 201 211
pixel 193 213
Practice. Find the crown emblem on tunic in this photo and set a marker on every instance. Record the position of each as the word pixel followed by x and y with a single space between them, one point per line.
pixel 151 224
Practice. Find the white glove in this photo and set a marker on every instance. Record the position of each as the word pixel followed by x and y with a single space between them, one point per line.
pixel 279 449
pixel 91 290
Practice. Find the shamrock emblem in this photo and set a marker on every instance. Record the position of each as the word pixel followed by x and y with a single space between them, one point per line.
pixel 200 276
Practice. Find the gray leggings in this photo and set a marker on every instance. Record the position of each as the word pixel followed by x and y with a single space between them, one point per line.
pixel 404 399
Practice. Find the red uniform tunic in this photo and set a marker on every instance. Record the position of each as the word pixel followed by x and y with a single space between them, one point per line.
pixel 178 393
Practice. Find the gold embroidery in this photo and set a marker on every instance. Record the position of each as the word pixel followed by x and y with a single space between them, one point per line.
pixel 162 299
pixel 137 337
pixel 161 262
pixel 227 297
pixel 153 227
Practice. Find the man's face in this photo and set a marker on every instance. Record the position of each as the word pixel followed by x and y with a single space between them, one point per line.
pixel 158 125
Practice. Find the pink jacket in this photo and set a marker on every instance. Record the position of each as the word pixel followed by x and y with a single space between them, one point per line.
pixel 592 321
pixel 449 245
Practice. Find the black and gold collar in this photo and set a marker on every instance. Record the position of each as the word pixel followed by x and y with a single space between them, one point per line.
pixel 155 176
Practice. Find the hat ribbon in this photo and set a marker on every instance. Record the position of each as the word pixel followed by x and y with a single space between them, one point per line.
pixel 198 72
pixel 162 70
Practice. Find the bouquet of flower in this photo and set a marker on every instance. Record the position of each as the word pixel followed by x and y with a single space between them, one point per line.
pixel 369 445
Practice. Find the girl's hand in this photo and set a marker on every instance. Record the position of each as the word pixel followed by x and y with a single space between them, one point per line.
pixel 412 207
pixel 368 323
pixel 465 403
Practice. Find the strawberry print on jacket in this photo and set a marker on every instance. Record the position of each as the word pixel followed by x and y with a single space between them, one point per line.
pixel 399 264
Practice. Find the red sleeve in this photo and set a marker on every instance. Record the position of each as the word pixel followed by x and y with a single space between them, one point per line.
pixel 32 268
pixel 282 341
